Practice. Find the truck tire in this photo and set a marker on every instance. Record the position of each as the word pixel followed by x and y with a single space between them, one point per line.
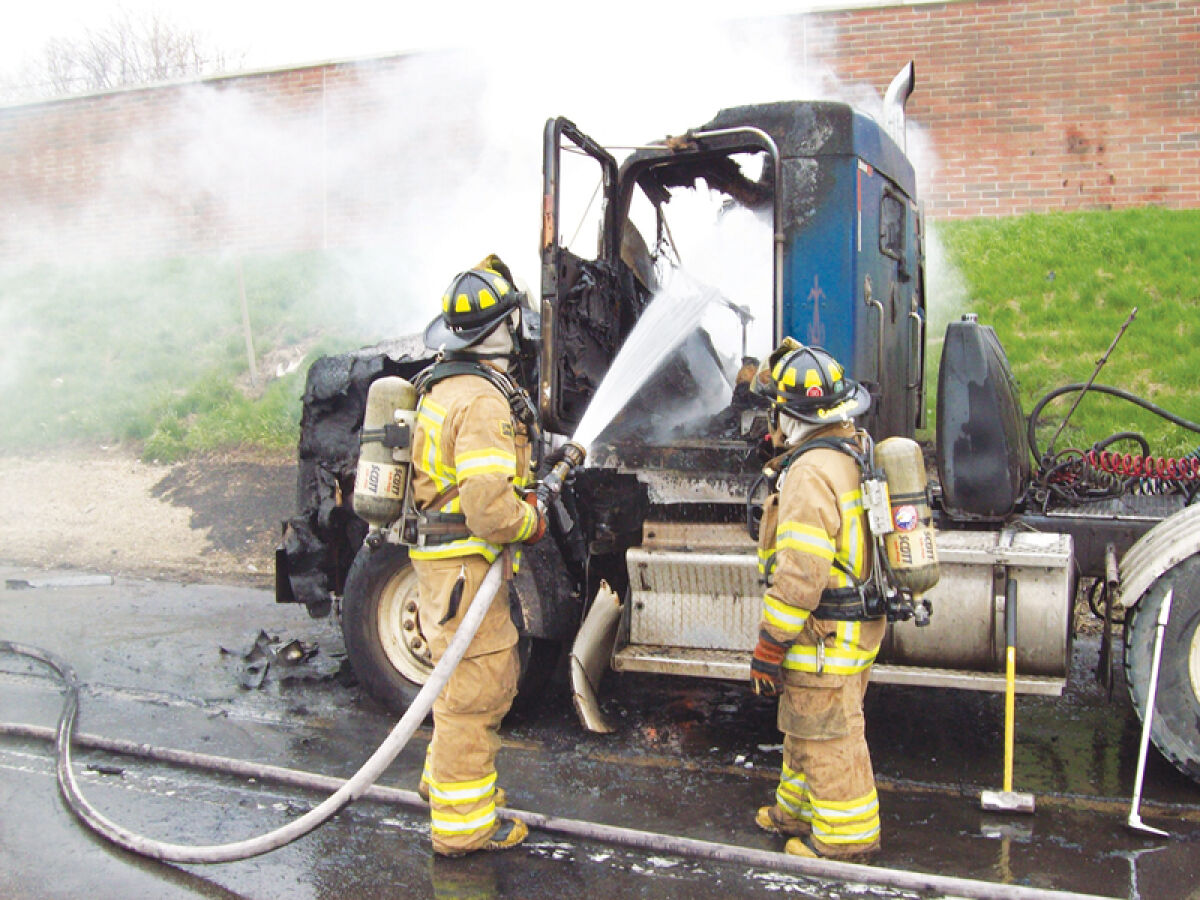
pixel 381 626
pixel 1175 730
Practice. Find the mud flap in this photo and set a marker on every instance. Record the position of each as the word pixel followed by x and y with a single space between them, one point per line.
pixel 590 655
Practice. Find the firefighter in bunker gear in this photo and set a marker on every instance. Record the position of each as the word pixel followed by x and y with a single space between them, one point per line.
pixel 816 640
pixel 471 460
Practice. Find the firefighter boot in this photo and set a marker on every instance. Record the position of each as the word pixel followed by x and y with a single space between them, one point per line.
pixel 769 818
pixel 509 833
pixel 804 846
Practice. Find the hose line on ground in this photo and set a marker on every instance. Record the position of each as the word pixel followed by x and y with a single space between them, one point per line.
pixel 945 885
pixel 348 792
pixel 362 785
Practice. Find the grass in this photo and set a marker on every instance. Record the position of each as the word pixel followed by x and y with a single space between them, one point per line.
pixel 153 353
pixel 1057 289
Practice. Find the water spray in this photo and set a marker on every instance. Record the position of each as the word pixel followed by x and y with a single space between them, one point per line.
pixel 673 313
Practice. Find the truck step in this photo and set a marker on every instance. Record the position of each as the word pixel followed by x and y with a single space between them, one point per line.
pixel 734 665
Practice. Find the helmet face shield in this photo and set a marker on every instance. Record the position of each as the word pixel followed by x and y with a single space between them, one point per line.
pixel 810 385
pixel 474 305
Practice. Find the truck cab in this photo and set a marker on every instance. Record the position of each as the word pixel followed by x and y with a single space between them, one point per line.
pixel 822 199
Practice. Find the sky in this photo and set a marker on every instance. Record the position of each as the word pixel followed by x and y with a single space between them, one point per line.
pixel 272 34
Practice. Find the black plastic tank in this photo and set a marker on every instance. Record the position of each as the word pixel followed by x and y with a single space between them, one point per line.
pixel 982 450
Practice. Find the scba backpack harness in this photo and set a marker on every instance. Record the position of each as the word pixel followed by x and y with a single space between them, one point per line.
pixel 904 562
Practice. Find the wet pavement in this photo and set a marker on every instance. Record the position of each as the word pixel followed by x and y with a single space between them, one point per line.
pixel 690 758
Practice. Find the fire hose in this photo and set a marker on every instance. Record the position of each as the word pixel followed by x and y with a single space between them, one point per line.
pixel 590 831
pixel 349 791
pixel 571 455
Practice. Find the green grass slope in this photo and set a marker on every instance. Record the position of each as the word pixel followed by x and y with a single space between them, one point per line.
pixel 154 353
pixel 1058 288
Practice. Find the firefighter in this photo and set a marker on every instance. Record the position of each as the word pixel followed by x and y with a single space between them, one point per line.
pixel 471 460
pixel 818 634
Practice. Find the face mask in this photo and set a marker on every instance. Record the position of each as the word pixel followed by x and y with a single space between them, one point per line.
pixel 793 431
pixel 499 342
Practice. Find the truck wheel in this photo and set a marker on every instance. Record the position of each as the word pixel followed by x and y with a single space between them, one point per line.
pixel 1176 726
pixel 381 626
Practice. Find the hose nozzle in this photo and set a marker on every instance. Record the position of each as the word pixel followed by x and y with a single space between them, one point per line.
pixel 573 455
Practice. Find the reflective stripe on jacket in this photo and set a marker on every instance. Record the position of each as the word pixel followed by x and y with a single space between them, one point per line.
pixel 466 442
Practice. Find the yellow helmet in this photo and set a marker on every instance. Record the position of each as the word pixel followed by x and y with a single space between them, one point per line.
pixel 808 384
pixel 473 306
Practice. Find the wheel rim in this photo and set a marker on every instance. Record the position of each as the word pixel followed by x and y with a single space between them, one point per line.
pixel 399 624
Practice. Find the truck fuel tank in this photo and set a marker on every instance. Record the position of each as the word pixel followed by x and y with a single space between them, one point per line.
pixel 695 603
pixel 982 450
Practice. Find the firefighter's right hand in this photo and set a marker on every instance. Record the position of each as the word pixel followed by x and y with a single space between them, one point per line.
pixel 539 530
pixel 766 669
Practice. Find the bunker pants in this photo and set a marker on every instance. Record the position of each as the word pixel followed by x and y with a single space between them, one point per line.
pixel 827 779
pixel 460 765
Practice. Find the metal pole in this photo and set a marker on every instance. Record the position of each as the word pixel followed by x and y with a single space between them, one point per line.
pixel 1135 818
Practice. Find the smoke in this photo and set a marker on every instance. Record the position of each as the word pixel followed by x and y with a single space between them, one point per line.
pixel 423 167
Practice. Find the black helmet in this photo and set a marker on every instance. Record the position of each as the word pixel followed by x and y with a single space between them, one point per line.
pixel 474 305
pixel 810 385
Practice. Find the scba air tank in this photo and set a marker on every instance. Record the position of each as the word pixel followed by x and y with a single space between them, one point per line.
pixel 910 546
pixel 385 451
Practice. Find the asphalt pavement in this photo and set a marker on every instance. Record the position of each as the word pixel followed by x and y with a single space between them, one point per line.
pixel 205 668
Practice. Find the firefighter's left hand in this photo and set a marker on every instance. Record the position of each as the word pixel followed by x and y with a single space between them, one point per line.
pixel 539 531
pixel 766 669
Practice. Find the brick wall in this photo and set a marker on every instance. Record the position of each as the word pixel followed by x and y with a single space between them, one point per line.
pixel 1038 105
pixel 276 161
pixel 1030 105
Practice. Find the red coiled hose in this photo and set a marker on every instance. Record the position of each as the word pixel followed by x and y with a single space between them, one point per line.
pixel 1132 465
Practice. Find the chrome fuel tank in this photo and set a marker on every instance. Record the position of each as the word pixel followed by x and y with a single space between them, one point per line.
pixel 695 605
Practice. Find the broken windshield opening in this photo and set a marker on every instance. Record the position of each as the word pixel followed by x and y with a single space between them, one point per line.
pixel 698 246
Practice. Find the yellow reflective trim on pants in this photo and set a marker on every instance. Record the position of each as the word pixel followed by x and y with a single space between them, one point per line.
pixel 846 821
pixel 453 823
pixel 838 660
pixel 865 836
pixel 792 794
pixel 849 808
pixel 781 615
pixel 464 791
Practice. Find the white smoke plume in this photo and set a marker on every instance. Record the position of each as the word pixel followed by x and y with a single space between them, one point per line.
pixel 445 164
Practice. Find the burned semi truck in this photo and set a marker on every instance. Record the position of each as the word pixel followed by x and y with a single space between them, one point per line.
pixel 809 227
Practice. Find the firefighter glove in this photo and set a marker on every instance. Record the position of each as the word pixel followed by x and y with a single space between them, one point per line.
pixel 766 669
pixel 539 530
pixel 553 458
